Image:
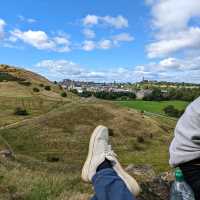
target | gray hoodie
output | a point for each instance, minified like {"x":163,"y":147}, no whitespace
{"x":186,"y":143}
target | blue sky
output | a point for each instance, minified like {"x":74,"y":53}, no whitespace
{"x":121,"y":40}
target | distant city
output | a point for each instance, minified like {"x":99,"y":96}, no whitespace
{"x":141,"y":89}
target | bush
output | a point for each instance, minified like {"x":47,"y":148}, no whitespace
{"x":52,"y":158}
{"x":63,"y":94}
{"x":172,"y":111}
{"x":41,"y":85}
{"x":75,"y":91}
{"x":20,"y":111}
{"x":85,"y":94}
{"x":35,"y":89}
{"x":111,"y":132}
{"x":47,"y":87}
{"x":25,"y":83}
{"x":140,"y":139}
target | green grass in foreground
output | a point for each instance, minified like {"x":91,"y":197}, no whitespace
{"x":153,"y":106}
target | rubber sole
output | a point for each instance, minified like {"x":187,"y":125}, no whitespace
{"x":130,"y":182}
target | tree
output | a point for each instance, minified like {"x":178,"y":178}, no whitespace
{"x":20,"y":111}
{"x":35,"y":89}
{"x":172,"y":111}
{"x":63,"y":94}
{"x":47,"y":87}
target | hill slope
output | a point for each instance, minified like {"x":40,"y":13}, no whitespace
{"x":17,"y":90}
{"x":51,"y":149}
{"x":50,"y":144}
{"x":24,"y":74}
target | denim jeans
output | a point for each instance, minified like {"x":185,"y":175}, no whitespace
{"x":109,"y":186}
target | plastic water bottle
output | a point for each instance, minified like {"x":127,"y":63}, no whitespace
{"x":180,"y":190}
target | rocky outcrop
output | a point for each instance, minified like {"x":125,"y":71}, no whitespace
{"x":154,"y":187}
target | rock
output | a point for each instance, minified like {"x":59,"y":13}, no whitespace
{"x":144,"y":172}
{"x":6,"y":153}
{"x":154,"y":187}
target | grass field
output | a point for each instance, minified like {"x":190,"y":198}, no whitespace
{"x":153,"y":106}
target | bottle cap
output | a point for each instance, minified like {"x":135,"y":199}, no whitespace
{"x":179,"y":175}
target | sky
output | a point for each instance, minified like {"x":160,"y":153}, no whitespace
{"x":103,"y":40}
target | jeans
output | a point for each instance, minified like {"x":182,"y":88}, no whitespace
{"x":191,"y":172}
{"x":109,"y":186}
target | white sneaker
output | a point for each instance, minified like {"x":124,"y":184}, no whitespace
{"x":99,"y":150}
{"x":96,"y":154}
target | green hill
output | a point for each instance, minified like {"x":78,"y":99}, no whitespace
{"x":50,"y":144}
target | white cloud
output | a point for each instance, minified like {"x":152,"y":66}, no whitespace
{"x":166,"y":70}
{"x":105,"y":44}
{"x":89,"y":33}
{"x":28,"y":20}
{"x":61,"y":40}
{"x":173,"y":14}
{"x":116,"y":22}
{"x":122,"y":37}
{"x":64,"y":67}
{"x":40,"y":40}
{"x":88,"y":45}
{"x":174,"y":31}
{"x":2,"y":25}
{"x":179,"y":41}
{"x":90,"y":20}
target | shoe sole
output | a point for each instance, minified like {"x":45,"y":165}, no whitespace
{"x":87,"y":163}
{"x":130,"y":182}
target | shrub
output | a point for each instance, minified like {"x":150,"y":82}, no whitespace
{"x":140,"y":139}
{"x":60,"y":87}
{"x":41,"y":85}
{"x":7,"y":77}
{"x":85,"y":94}
{"x":63,"y":94}
{"x":25,"y":83}
{"x":35,"y":89}
{"x":20,"y":111}
{"x":172,"y":111}
{"x":47,"y":87}
{"x":111,"y":132}
{"x":52,"y":158}
{"x":75,"y":91}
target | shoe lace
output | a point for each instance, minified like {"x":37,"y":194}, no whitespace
{"x":109,"y":152}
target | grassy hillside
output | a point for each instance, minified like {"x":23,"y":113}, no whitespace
{"x":153,"y":106}
{"x":50,"y":144}
{"x":63,"y":135}
{"x":17,"y":90}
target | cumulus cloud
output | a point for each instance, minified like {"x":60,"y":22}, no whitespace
{"x":173,"y":14}
{"x":90,"y":20}
{"x":28,"y":20}
{"x":40,"y":40}
{"x":89,"y":33}
{"x":88,"y":45}
{"x":166,"y":70}
{"x":174,"y":31}
{"x":122,"y":37}
{"x":64,"y":67}
{"x":2,"y":25}
{"x":178,"y":41}
{"x":105,"y":44}
{"x":117,"y":22}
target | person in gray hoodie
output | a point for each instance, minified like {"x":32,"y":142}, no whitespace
{"x":185,"y":147}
